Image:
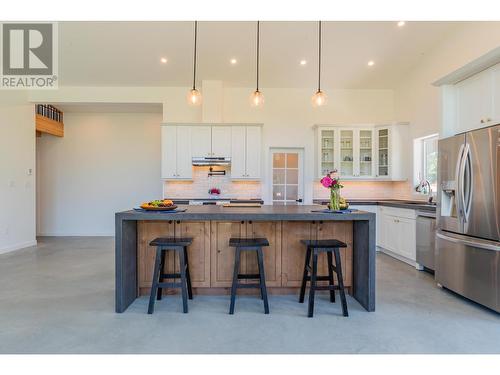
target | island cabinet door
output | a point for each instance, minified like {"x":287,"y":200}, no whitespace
{"x":148,"y":231}
{"x":272,"y":253}
{"x":342,"y":231}
{"x":293,"y":252}
{"x":198,"y":252}
{"x":222,"y":256}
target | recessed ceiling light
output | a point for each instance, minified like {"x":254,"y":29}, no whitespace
{"x":163,"y":60}
{"x":303,"y":62}
{"x":401,"y":23}
{"x":233,"y":61}
{"x":371,"y":63}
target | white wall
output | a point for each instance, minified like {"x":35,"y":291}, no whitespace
{"x":17,"y":156}
{"x":106,"y":162}
{"x":416,"y":99}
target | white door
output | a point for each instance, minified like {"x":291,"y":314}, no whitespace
{"x":183,"y":152}
{"x":474,"y":101}
{"x":221,"y":141}
{"x":238,"y":152}
{"x":496,"y":94}
{"x":253,"y":150}
{"x":287,"y":186}
{"x":168,"y":151}
{"x":201,"y":141}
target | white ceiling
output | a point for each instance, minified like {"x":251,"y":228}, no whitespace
{"x":128,"y":53}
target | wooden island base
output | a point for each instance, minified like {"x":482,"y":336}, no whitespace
{"x":211,"y":260}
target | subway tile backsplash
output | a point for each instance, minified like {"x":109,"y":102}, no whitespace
{"x":201,"y":183}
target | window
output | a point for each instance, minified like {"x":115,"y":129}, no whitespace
{"x":425,"y":161}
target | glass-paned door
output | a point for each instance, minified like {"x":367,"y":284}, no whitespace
{"x":286,"y":171}
{"x":383,"y":152}
{"x":346,"y":152}
{"x":327,"y":151}
{"x":365,"y":152}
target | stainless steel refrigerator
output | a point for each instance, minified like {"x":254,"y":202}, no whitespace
{"x":468,"y":215}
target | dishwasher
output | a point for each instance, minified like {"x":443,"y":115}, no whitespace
{"x":426,"y":235}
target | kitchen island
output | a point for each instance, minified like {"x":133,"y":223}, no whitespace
{"x":211,"y":259}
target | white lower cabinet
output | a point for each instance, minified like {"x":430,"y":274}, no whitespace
{"x":397,"y":233}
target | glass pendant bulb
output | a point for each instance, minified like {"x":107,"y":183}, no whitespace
{"x":319,"y":99}
{"x":257,"y":99}
{"x":194,"y":97}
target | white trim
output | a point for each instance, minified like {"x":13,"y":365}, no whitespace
{"x":75,"y":234}
{"x":18,"y":246}
{"x":398,"y":257}
{"x":484,"y":62}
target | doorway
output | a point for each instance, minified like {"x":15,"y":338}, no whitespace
{"x":287,"y":165}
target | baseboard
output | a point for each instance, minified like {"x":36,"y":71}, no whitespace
{"x":18,"y":246}
{"x":399,"y":257}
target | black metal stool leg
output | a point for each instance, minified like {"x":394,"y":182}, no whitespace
{"x":313,"y":284}
{"x":304,"y":276}
{"x":183,"y":280}
{"x":338,"y":266}
{"x":154,"y":286}
{"x":160,"y":277}
{"x":262,"y":276}
{"x":188,"y":275}
{"x":330,"y":276}
{"x":235,"y":279}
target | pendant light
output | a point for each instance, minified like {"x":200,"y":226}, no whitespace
{"x":319,"y":98}
{"x":194,"y":96}
{"x":257,"y":99}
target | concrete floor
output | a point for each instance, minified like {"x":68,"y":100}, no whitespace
{"x":58,"y":298}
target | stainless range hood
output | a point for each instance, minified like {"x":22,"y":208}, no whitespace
{"x":211,"y":160}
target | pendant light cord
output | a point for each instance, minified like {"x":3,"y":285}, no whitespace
{"x":258,"y":49}
{"x":194,"y":60}
{"x":319,"y":56}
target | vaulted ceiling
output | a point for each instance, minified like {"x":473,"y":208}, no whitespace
{"x":129,"y":53}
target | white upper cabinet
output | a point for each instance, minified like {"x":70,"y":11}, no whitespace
{"x":470,"y":97}
{"x":238,"y":157}
{"x":475,"y":101}
{"x":253,"y":151}
{"x":496,"y":94}
{"x":176,"y":152}
{"x":360,"y":153}
{"x":246,"y":149}
{"x":201,"y":141}
{"x":221,"y":141}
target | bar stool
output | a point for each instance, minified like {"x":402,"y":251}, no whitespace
{"x":314,"y":247}
{"x":249,"y":244}
{"x":162,"y":246}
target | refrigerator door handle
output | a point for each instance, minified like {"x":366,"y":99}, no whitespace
{"x":458,"y":181}
{"x":467,"y":173}
{"x":468,"y":241}
{"x":461,"y":176}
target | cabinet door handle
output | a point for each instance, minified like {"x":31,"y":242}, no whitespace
{"x":482,"y":121}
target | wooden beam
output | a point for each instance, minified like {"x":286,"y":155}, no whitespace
{"x":46,"y":125}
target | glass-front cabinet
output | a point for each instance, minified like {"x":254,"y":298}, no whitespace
{"x":327,"y":157}
{"x":383,"y":152}
{"x":361,"y":152}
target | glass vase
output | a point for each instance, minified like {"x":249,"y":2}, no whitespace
{"x":334,"y":199}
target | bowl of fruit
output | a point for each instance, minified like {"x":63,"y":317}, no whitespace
{"x":159,"y":205}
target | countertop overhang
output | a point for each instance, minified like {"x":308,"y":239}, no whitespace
{"x":262,"y":213}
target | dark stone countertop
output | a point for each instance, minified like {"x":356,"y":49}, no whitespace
{"x":262,"y":213}
{"x":413,"y":205}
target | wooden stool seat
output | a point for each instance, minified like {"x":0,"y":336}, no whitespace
{"x":331,"y":247}
{"x":249,"y":244}
{"x":164,"y":244}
